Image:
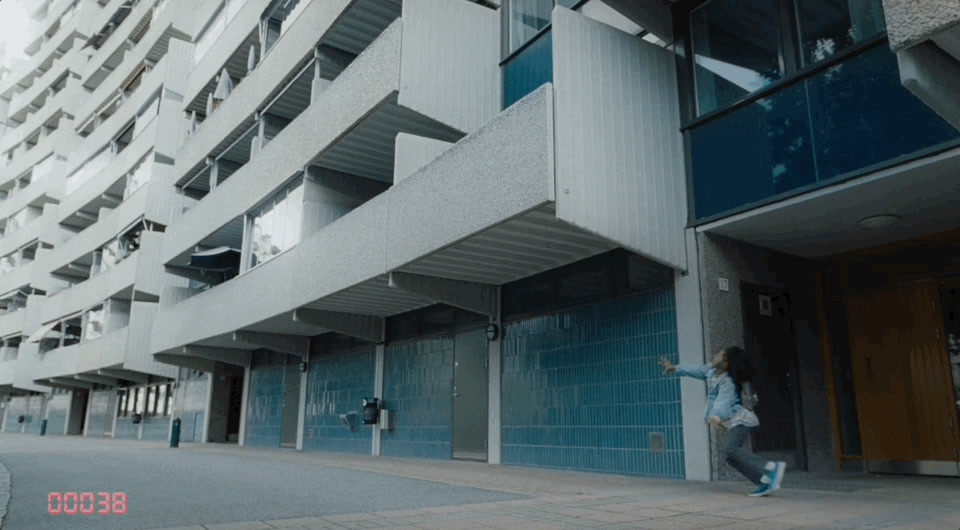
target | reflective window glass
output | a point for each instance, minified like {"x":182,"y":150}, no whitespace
{"x":95,"y":321}
{"x":527,"y":18}
{"x":830,"y":26}
{"x":736,"y":51}
{"x":141,"y":397}
{"x":162,"y":400}
{"x":152,"y":400}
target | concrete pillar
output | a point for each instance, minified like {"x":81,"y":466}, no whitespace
{"x":377,"y":393}
{"x":302,"y":410}
{"x":243,"y":405}
{"x":696,"y":436}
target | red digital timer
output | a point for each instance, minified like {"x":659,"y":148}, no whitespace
{"x":87,"y":503}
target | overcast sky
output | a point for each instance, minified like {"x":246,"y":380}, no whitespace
{"x":14,"y":25}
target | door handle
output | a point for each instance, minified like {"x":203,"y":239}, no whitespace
{"x":456,"y":395}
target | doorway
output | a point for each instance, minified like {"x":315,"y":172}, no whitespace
{"x":899,"y":345}
{"x":770,"y":343}
{"x":78,"y":411}
{"x":291,"y":402}
{"x":470,"y":390}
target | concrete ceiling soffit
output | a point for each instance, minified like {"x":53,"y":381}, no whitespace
{"x":126,"y":375}
{"x":366,"y":327}
{"x":182,"y":361}
{"x":479,"y":298}
{"x":99,"y":379}
{"x":71,"y":383}
{"x":292,"y":344}
{"x":233,"y":356}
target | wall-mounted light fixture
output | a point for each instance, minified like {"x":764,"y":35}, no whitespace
{"x":493,"y":331}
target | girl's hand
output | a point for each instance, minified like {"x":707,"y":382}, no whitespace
{"x":716,"y":421}
{"x":668,"y":367}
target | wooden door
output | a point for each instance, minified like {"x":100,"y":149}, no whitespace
{"x":901,"y":375}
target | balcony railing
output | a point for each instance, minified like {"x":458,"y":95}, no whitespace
{"x":840,"y":121}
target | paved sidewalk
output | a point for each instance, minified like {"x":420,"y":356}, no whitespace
{"x":4,"y":492}
{"x":585,"y":500}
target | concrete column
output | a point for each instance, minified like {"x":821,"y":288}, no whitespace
{"x":377,"y":393}
{"x":113,"y":412}
{"x":693,"y":395}
{"x":86,"y":419}
{"x":302,"y":410}
{"x":208,"y":408}
{"x":243,"y":405}
{"x":494,"y":443}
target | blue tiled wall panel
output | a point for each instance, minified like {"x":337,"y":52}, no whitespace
{"x":194,"y":405}
{"x":157,"y":429}
{"x":265,"y":406}
{"x":34,"y":414}
{"x":99,"y":414}
{"x":126,"y":429}
{"x":418,"y":387}
{"x":582,"y":389}
{"x":337,"y":385}
{"x":58,"y":407}
{"x":23,"y":406}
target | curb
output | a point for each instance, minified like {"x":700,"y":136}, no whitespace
{"x":5,"y":484}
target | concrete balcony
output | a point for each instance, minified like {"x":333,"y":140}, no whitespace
{"x":79,"y":26}
{"x":93,"y":104}
{"x":112,"y":52}
{"x":511,"y":199}
{"x":926,"y":37}
{"x":117,"y":282}
{"x":351,"y":126}
{"x":47,"y":189}
{"x":109,"y":224}
{"x":18,"y":278}
{"x":60,"y":142}
{"x":11,"y":242}
{"x":107,"y":351}
{"x":7,"y":372}
{"x":11,"y":323}
{"x":82,"y":206}
{"x":52,"y":111}
{"x":343,"y":24}
{"x":37,"y":95}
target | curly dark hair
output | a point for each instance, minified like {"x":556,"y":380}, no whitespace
{"x":738,"y":366}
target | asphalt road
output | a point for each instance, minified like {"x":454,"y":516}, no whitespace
{"x":179,"y":487}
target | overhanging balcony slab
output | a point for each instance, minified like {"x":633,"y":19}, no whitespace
{"x":60,"y":142}
{"x":112,"y":51}
{"x":11,"y":323}
{"x":104,"y":352}
{"x":37,"y":194}
{"x":318,"y":22}
{"x":117,"y":282}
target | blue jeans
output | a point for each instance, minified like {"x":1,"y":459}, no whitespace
{"x":747,"y":463}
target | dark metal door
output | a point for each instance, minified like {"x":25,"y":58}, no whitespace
{"x":470,"y":395}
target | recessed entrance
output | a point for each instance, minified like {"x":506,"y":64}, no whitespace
{"x":470,"y":395}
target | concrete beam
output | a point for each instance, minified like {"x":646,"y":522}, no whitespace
{"x":85,"y":216}
{"x":476,"y":297}
{"x":72,"y":383}
{"x":232,"y":356}
{"x":191,"y":363}
{"x":99,"y":379}
{"x":187,"y":272}
{"x":126,"y":375}
{"x":292,"y":344}
{"x":934,"y":77}
{"x":366,"y":327}
{"x":651,"y":15}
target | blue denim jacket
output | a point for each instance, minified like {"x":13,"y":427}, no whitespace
{"x":723,"y":400}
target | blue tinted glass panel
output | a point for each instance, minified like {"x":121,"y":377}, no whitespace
{"x":752,"y":153}
{"x":862,"y":115}
{"x":529,"y":69}
{"x":827,"y":28}
{"x":844,"y":119}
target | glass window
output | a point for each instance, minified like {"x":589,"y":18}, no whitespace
{"x":8,"y":263}
{"x":138,"y":177}
{"x":169,"y":409}
{"x":95,"y":321}
{"x":736,"y":51}
{"x":527,"y":18}
{"x":122,"y":404}
{"x":71,"y":331}
{"x":131,"y":400}
{"x":275,"y":227}
{"x":829,"y":27}
{"x":141,"y":394}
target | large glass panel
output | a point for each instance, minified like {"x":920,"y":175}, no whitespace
{"x":151,"y":400}
{"x":264,"y":247}
{"x":276,"y":226}
{"x":862,"y":115}
{"x":95,"y":321}
{"x":294,"y":215}
{"x":736,"y":51}
{"x":141,"y":397}
{"x":71,"y":331}
{"x":8,"y":263}
{"x":527,"y":18}
{"x":162,"y":400}
{"x":528,"y":70}
{"x":753,"y":153}
{"x":279,"y":241}
{"x":830,"y":26}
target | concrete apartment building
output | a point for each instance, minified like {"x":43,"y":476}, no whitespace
{"x":493,"y":216}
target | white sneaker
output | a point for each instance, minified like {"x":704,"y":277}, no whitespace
{"x":777,"y":475}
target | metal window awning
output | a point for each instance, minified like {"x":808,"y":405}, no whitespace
{"x":217,"y":259}
{"x":42,"y":332}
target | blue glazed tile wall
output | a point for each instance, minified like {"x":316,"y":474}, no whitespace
{"x":582,"y":389}
{"x":337,"y":385}
{"x":99,"y":414}
{"x":58,"y":406}
{"x":264,"y":406}
{"x":418,"y":387}
{"x":27,"y":406}
{"x":194,"y":397}
{"x":157,"y":429}
{"x":126,"y":429}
